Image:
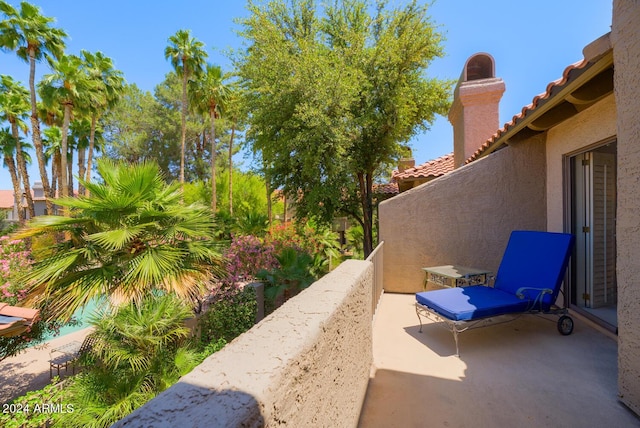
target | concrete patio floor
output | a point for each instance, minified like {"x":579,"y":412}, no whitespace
{"x":29,"y":370}
{"x":517,"y":374}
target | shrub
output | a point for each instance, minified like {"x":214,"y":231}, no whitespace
{"x":138,"y":353}
{"x":15,"y":260}
{"x":27,"y":411}
{"x":246,"y":256}
{"x":228,"y":317}
{"x":287,"y":280}
{"x":316,"y":240}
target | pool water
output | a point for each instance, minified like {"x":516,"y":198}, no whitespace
{"x":82,"y":315}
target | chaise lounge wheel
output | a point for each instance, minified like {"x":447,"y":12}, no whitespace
{"x":565,"y":325}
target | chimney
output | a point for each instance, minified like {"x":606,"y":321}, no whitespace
{"x":406,"y":161}
{"x":38,"y":190}
{"x":474,"y":112}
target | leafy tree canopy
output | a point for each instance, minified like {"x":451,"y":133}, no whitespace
{"x":335,"y":93}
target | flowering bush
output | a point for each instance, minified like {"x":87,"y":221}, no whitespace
{"x":286,"y":236}
{"x":287,"y":259}
{"x":15,"y":259}
{"x":246,"y":256}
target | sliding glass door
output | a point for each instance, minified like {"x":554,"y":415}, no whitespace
{"x":593,"y":222}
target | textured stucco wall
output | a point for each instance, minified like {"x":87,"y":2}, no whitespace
{"x":593,"y":125}
{"x":464,"y":217}
{"x":307,"y":364}
{"x":625,"y":38}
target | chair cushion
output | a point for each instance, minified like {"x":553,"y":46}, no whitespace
{"x":535,"y":259}
{"x":469,"y":303}
{"x":4,"y":319}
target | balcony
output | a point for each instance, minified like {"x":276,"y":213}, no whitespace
{"x":319,"y":360}
{"x":517,"y":374}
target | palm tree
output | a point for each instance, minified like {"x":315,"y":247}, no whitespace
{"x":208,"y":94}
{"x":234,"y":110}
{"x":68,"y":86}
{"x":139,"y":354}
{"x":131,"y":236}
{"x":187,"y":57}
{"x":80,"y":134}
{"x":52,"y":141}
{"x":109,"y":88}
{"x":14,"y":107}
{"x":7,"y":149}
{"x":30,"y":34}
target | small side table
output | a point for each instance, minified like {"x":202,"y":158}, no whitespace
{"x":454,"y":276}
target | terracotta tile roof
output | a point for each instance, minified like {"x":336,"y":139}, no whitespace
{"x":386,"y":189}
{"x":552,"y":88}
{"x":433,"y":168}
{"x":6,"y":199}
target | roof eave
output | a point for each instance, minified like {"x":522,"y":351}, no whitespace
{"x":575,"y":76}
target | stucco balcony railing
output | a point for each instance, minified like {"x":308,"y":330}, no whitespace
{"x":305,"y":365}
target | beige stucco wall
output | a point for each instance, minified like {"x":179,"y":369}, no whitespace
{"x":464,"y":217}
{"x":593,"y":125}
{"x":625,"y":38}
{"x":307,"y":364}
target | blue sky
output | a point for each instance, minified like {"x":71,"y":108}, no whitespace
{"x":531,"y":42}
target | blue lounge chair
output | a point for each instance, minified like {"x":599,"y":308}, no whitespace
{"x":528,"y":281}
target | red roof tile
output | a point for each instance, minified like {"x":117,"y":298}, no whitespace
{"x":386,"y":189}
{"x":537,"y":100}
{"x":433,"y":168}
{"x":6,"y":199}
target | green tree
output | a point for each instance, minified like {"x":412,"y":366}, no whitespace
{"x":131,"y":236}
{"x":208,"y":93}
{"x":166,"y":118}
{"x":8,"y":149}
{"x":80,"y":133}
{"x":70,"y":87}
{"x":14,"y":107}
{"x":335,"y":95}
{"x":187,"y":57}
{"x":52,"y":142}
{"x":235,"y":112}
{"x":137,"y":354}
{"x":108,"y":88}
{"x":129,"y":128}
{"x":147,"y":126}
{"x":31,"y":36}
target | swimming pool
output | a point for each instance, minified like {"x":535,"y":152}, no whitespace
{"x":82,"y":315}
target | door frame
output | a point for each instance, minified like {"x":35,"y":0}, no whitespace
{"x":568,"y":219}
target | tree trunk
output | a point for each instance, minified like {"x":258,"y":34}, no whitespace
{"x":58,"y":177}
{"x":269,"y":213}
{"x":54,"y":171}
{"x":365,"y":184}
{"x":22,"y":167}
{"x":92,"y":139}
{"x":183,"y":136}
{"x":233,"y":132}
{"x":64,"y":151}
{"x":81,"y":169}
{"x":214,"y":195}
{"x":285,"y":208}
{"x":70,"y":173}
{"x":17,"y":197}
{"x":35,"y":132}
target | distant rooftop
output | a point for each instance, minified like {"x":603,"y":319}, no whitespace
{"x":431,"y":169}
